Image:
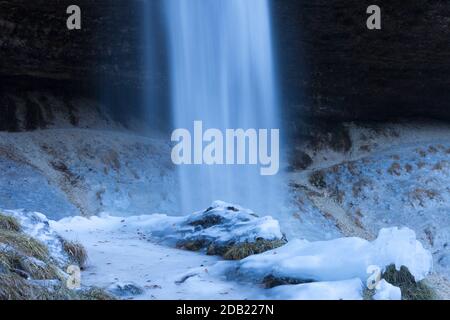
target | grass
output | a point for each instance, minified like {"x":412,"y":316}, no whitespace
{"x":25,"y":244}
{"x":77,"y":253}
{"x":23,"y":258}
{"x":96,"y":294}
{"x":193,"y":244}
{"x":243,"y":250}
{"x":8,"y":223}
{"x":14,"y":287}
{"x":207,"y":221}
{"x":12,"y":261}
{"x":231,"y":251}
{"x":411,"y":290}
{"x":271,"y":281}
{"x":23,"y":255}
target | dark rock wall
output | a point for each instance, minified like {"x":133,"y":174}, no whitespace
{"x":331,"y":67}
{"x":35,"y":41}
{"x":103,"y":61}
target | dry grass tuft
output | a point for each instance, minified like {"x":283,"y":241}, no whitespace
{"x":411,"y":290}
{"x":27,"y":272}
{"x":96,"y":294}
{"x":243,"y":250}
{"x":25,"y":244}
{"x":8,"y":223}
{"x":14,"y":287}
{"x":11,"y":261}
{"x":77,"y":253}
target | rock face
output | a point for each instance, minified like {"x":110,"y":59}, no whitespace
{"x":331,"y":65}
{"x":102,"y":62}
{"x":36,"y":42}
{"x":334,"y":67}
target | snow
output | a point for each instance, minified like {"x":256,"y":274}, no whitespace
{"x":122,"y":251}
{"x":405,"y":184}
{"x":337,"y":290}
{"x":222,"y":223}
{"x":237,"y":224}
{"x":386,"y":291}
{"x":340,"y":259}
{"x":396,"y":178}
{"x":120,"y":255}
{"x":117,"y":258}
{"x":36,"y":225}
{"x":396,"y":174}
{"x":67,"y":172}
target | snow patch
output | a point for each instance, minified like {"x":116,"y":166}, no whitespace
{"x":339,"y":259}
{"x":123,"y":250}
{"x":221,"y":224}
{"x":386,"y":291}
{"x":37,"y":226}
{"x":337,"y":290}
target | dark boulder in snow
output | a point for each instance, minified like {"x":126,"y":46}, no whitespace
{"x":230,"y":231}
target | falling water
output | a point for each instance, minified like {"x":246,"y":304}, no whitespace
{"x":222,"y":73}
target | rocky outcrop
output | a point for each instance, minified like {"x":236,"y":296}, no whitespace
{"x":334,"y":67}
{"x":103,"y":62}
{"x":330,"y":66}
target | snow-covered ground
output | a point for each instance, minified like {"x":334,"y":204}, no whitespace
{"x":66,"y":172}
{"x":124,"y":254}
{"x":394,"y":176}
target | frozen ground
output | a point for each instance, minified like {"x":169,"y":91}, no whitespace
{"x":123,"y":254}
{"x":120,"y":258}
{"x":394,"y":175}
{"x":65,"y":172}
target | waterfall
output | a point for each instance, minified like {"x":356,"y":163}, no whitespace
{"x":222,"y":73}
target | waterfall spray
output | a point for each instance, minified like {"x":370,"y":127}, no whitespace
{"x":222,"y":74}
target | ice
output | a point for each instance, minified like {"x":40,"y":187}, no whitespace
{"x":220,"y":224}
{"x":338,"y":290}
{"x":36,"y":225}
{"x":340,"y":259}
{"x":120,"y":252}
{"x":137,"y":250}
{"x":386,"y":291}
